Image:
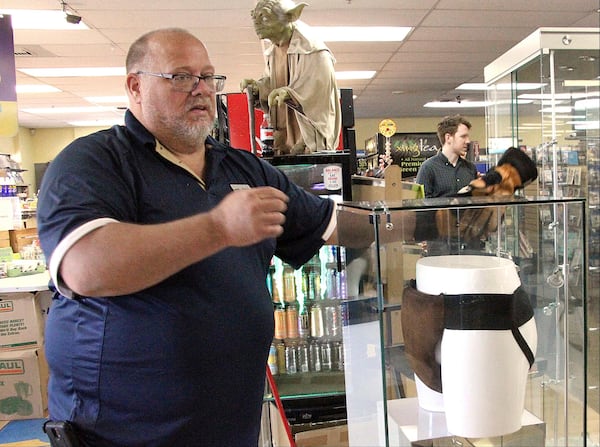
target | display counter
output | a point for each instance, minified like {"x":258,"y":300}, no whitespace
{"x":515,"y":326}
{"x":25,"y":283}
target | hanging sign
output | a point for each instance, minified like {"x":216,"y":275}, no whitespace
{"x":8,"y":79}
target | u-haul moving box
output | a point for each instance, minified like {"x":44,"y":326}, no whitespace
{"x":23,"y":384}
{"x":21,"y":323}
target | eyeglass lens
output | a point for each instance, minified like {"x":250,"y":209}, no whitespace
{"x":187,"y":83}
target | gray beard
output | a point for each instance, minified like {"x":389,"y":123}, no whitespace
{"x":190,"y":136}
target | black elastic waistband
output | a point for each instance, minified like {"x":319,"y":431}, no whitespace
{"x":487,"y":311}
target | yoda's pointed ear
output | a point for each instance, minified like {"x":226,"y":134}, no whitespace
{"x":295,"y":13}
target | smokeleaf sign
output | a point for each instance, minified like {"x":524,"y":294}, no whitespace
{"x":410,"y":150}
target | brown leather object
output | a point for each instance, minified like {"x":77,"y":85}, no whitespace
{"x":477,"y":223}
{"x":472,"y":223}
{"x":422,"y":320}
{"x":509,"y":180}
{"x":514,"y":170}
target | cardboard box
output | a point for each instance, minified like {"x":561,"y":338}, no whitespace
{"x":323,"y":437}
{"x":23,"y":384}
{"x":30,"y":222}
{"x":333,"y":436}
{"x":43,"y":301}
{"x":21,"y":238}
{"x":4,"y":239}
{"x":21,"y":323}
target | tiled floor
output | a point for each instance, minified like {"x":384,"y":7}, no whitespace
{"x":23,"y":433}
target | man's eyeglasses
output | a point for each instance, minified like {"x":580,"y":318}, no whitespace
{"x":183,"y":82}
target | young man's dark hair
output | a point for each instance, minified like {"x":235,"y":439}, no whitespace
{"x":450,"y":125}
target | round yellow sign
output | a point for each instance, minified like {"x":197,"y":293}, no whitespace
{"x":387,"y":128}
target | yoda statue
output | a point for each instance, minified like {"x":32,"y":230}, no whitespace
{"x":298,"y":89}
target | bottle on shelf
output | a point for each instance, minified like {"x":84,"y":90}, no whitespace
{"x":304,"y":323}
{"x":314,"y":356}
{"x":316,"y":320}
{"x":280,"y":321}
{"x":272,"y":359}
{"x":266,"y":136}
{"x":280,"y":349}
{"x":326,"y":356}
{"x":271,"y":279}
{"x":291,"y":320}
{"x":338,"y":356}
{"x":291,"y":357}
{"x":289,"y":284}
{"x":303,"y":357}
{"x":332,"y":280}
{"x":275,"y":295}
{"x":332,"y":321}
{"x":311,"y":279}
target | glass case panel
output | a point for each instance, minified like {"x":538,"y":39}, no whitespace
{"x":463,"y":322}
{"x":552,"y":79}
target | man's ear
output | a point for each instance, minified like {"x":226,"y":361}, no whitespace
{"x":295,"y":13}
{"x":132,"y":85}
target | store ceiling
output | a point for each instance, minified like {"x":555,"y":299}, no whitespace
{"x":452,"y":42}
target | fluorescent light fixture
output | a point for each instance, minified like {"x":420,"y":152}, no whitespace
{"x":519,"y":101}
{"x":362,"y":33}
{"x":560,"y":109}
{"x":73,"y":72}
{"x":96,"y":123}
{"x":346,"y":75}
{"x":498,"y":145}
{"x":107,"y":99}
{"x":456,"y":105}
{"x":60,"y":110}
{"x":480,"y":86}
{"x":41,"y":19}
{"x":473,"y":86}
{"x":588,"y":125}
{"x":549,"y":96}
{"x":36,"y":88}
{"x":528,"y":128}
{"x":536,"y":125}
{"x":582,"y":83}
{"x":585,"y":104}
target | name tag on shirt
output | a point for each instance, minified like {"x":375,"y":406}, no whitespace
{"x":236,"y":186}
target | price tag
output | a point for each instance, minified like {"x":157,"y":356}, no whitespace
{"x":332,"y":177}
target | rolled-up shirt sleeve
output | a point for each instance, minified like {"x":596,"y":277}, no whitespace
{"x":64,"y":246}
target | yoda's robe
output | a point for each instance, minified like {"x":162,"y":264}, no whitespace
{"x":304,"y":68}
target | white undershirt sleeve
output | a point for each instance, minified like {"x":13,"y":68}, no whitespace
{"x":332,"y":224}
{"x":65,"y":245}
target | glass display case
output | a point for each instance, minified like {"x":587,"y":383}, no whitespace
{"x":544,"y":96}
{"x":523,"y":383}
{"x":472,"y":336}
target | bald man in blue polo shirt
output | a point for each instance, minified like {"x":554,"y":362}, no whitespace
{"x":159,"y":240}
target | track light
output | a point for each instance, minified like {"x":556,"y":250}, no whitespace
{"x":72,"y":18}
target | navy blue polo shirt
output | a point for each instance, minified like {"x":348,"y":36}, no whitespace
{"x":440,"y":179}
{"x":182,"y":362}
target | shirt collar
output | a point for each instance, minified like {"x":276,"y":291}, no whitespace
{"x":215,"y":150}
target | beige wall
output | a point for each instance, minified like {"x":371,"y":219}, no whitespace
{"x":366,"y":128}
{"x":32,"y":146}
